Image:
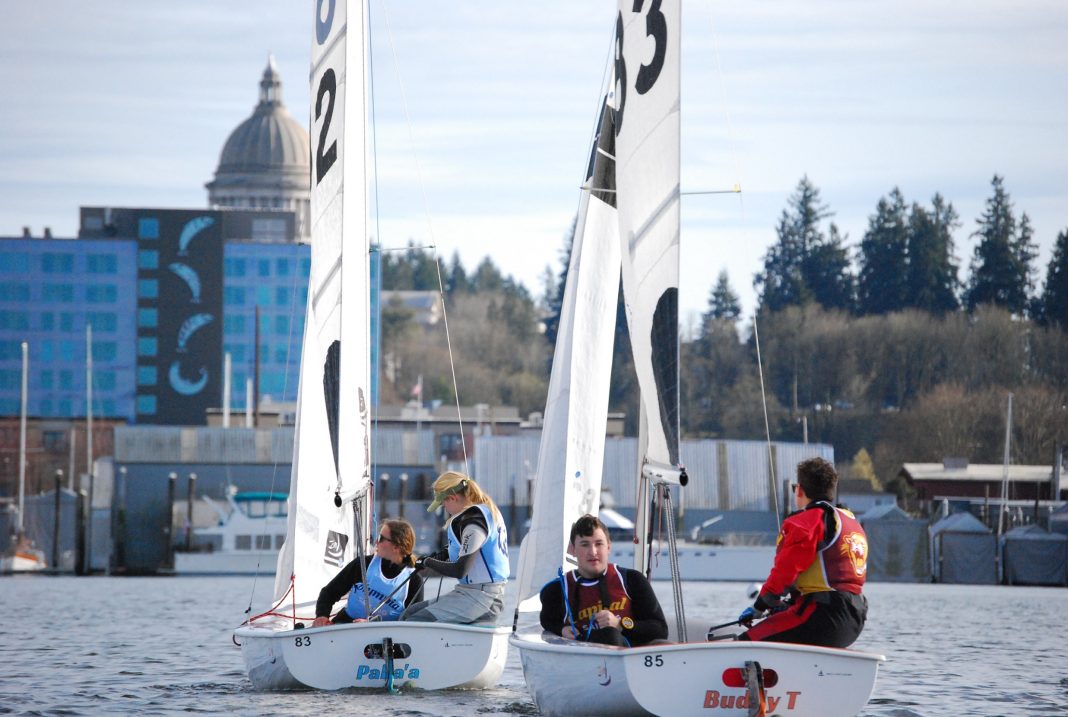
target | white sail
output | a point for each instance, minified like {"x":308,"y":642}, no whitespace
{"x":571,"y":454}
{"x":647,"y":180}
{"x":331,"y":443}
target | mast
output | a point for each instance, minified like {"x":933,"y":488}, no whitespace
{"x":22,"y":433}
{"x":1005,"y":469}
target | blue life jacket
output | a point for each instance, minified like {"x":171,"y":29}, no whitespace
{"x":492,"y":564}
{"x":378,"y":587}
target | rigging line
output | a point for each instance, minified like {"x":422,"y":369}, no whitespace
{"x":430,"y":227}
{"x":375,"y":249}
{"x":732,"y":143}
{"x":452,"y":362}
{"x":408,"y":126}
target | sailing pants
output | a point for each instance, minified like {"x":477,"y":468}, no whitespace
{"x":827,"y":619}
{"x":465,"y":604}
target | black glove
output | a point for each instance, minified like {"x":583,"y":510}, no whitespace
{"x":420,"y":562}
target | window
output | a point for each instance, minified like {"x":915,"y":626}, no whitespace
{"x":147,"y":318}
{"x":101,"y":264}
{"x":66,"y":350}
{"x":52,"y":263}
{"x":66,"y":380}
{"x":281,"y":324}
{"x":265,"y":267}
{"x":146,"y":405}
{"x":11,"y":350}
{"x":279,"y":541}
{"x":17,"y":262}
{"x":234,"y":324}
{"x":53,"y":440}
{"x":281,"y":266}
{"x":148,"y":259}
{"x":47,"y":379}
{"x":14,"y":292}
{"x":148,"y":288}
{"x":281,"y":296}
{"x":105,"y":351}
{"x":102,"y":320}
{"x":263,"y":542}
{"x":263,"y":295}
{"x":148,"y":228}
{"x":101,"y":294}
{"x":14,"y":320}
{"x":104,"y":380}
{"x":234,"y":267}
{"x":242,"y":542}
{"x":234,"y":296}
{"x":58,"y":292}
{"x":147,"y":346}
{"x":66,"y":408}
{"x":146,"y":376}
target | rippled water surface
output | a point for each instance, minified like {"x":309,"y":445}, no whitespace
{"x":161,"y":646}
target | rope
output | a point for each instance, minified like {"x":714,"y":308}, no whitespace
{"x":673,"y":557}
{"x":452,"y":362}
{"x":767,"y":424}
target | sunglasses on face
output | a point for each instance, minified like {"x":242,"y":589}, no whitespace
{"x":382,"y":538}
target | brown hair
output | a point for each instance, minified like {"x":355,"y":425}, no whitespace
{"x":402,"y":534}
{"x":586,"y":526}
{"x":817,"y":478}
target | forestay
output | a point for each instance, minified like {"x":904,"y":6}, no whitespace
{"x":332,"y":398}
{"x":570,"y":457}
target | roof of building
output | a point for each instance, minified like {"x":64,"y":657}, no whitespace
{"x":975,"y":472}
{"x":270,"y":141}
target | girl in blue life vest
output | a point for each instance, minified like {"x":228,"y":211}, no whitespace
{"x":477,"y":556}
{"x":390,"y":567}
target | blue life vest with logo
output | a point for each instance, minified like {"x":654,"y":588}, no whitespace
{"x":379,"y":586}
{"x":491,"y":566}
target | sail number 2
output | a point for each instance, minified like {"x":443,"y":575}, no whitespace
{"x":656,"y":28}
{"x":324,"y":157}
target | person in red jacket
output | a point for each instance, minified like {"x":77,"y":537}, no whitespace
{"x":821,"y":561}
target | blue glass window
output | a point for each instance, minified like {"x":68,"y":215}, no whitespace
{"x":265,"y":267}
{"x":66,"y":321}
{"x":14,"y":320}
{"x":66,"y":350}
{"x":52,"y":263}
{"x":101,"y":294}
{"x":281,"y":266}
{"x":146,"y":405}
{"x":66,"y":379}
{"x":263,"y":295}
{"x":47,"y":351}
{"x":148,"y":228}
{"x":147,"y":346}
{"x":281,"y":324}
{"x":47,"y":379}
{"x":234,"y":324}
{"x":281,"y":296}
{"x":17,"y":262}
{"x":148,"y":288}
{"x":46,"y":407}
{"x":101,"y":264}
{"x":148,"y":318}
{"x":58,"y":292}
{"x":105,"y":351}
{"x":234,"y":267}
{"x":146,"y":376}
{"x":102,"y":321}
{"x":104,"y":380}
{"x":14,"y":292}
{"x":234,"y":296}
{"x":148,"y":259}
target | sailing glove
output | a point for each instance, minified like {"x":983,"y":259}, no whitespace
{"x":748,"y":615}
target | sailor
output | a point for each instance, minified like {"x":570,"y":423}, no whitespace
{"x":600,"y":601}
{"x":477,"y":556}
{"x":392,"y":582}
{"x":822,"y":560}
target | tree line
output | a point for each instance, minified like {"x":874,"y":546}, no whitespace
{"x":887,"y":354}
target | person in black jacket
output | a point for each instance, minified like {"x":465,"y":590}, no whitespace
{"x":391,"y":567}
{"x":600,"y":601}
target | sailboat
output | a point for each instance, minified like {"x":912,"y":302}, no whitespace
{"x":23,"y":556}
{"x":330,"y":501}
{"x":628,"y":227}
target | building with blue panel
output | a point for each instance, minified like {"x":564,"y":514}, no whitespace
{"x":50,"y":291}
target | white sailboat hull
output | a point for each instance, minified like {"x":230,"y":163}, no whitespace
{"x":23,"y":562}
{"x":566,"y":678}
{"x":437,"y":656}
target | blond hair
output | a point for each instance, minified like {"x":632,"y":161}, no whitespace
{"x":473,"y":493}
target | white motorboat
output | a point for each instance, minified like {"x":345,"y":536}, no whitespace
{"x":628,"y":226}
{"x":329,"y":496}
{"x":245,"y":541}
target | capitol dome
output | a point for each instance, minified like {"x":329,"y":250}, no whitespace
{"x":265,"y":161}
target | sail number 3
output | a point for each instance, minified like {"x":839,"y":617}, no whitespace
{"x":656,"y":28}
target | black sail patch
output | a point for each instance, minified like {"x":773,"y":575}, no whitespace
{"x":332,"y":392}
{"x":334,"y":553}
{"x":664,"y":338}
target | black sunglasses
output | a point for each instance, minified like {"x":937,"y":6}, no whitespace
{"x":380,"y":538}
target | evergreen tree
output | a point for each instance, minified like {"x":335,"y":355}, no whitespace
{"x":487,"y":276}
{"x":1001,"y":266}
{"x":882,"y":283}
{"x":1055,"y":294}
{"x":805,"y":265}
{"x":457,"y":280}
{"x":723,"y":303}
{"x":932,"y":281}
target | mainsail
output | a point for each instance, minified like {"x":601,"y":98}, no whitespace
{"x":647,"y":182}
{"x":571,"y":454}
{"x":331,"y":455}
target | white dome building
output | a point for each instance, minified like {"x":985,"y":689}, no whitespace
{"x":265,"y":163}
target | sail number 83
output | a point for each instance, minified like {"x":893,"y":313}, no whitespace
{"x":302,"y":641}
{"x":654,"y":660}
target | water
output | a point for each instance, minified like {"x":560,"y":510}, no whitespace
{"x":161,"y":646}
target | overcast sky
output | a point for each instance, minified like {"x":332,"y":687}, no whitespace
{"x":485,"y":109}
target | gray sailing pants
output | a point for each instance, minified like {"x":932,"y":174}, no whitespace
{"x":465,"y":604}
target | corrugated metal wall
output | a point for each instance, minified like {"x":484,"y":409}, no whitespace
{"x":724,"y":475}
